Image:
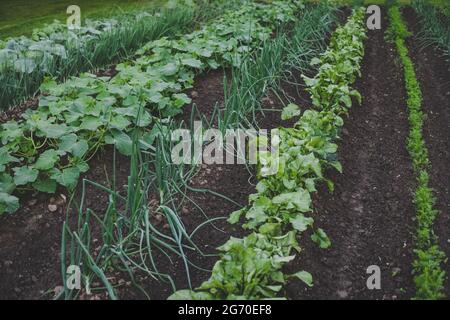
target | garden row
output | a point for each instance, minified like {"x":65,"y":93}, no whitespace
{"x":428,"y":274}
{"x":144,"y":247}
{"x":58,"y":51}
{"x":251,"y":267}
{"x":52,"y":145}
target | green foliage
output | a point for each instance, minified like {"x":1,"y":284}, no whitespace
{"x":435,"y":26}
{"x":290,"y":51}
{"x":339,"y":66}
{"x":132,"y":239}
{"x":79,"y":116}
{"x":290,"y":111}
{"x":250,"y":268}
{"x":442,"y":5}
{"x":56,"y":51}
{"x":428,"y":274}
{"x":321,"y":238}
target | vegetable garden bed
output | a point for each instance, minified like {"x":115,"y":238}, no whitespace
{"x":86,"y":177}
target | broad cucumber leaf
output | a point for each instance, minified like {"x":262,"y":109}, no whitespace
{"x":6,"y":183}
{"x":66,"y":142}
{"x":10,"y":132}
{"x":80,"y":148}
{"x":169,"y":69}
{"x":8,"y":203}
{"x":47,"y":160}
{"x":5,"y":156}
{"x":24,"y":175}
{"x":120,"y":122}
{"x":90,"y":123}
{"x":67,"y":178}
{"x":70,"y":144}
{"x":194,"y":63}
{"x":121,"y":140}
{"x":25,"y":65}
{"x":53,"y":131}
{"x":45,"y":185}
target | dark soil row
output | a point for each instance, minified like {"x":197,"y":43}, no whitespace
{"x":433,"y":72}
{"x":369,"y":216}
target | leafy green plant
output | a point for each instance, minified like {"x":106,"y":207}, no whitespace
{"x":428,"y":274}
{"x":78,"y":117}
{"x":329,"y":88}
{"x":59,"y":52}
{"x":250,"y":268}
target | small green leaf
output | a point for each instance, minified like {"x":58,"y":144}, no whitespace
{"x":301,"y":223}
{"x":315,"y":61}
{"x":270,"y":228}
{"x":321,"y":238}
{"x":305,"y":276}
{"x":235,"y":216}
{"x":290,"y":111}
{"x":337,"y":165}
{"x":300,"y":200}
{"x":190,"y":295}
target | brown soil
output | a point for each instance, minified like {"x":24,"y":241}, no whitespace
{"x":433,"y":73}
{"x":29,"y":249}
{"x":369,"y":216}
{"x":16,"y":112}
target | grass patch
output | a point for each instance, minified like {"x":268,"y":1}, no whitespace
{"x":22,"y":16}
